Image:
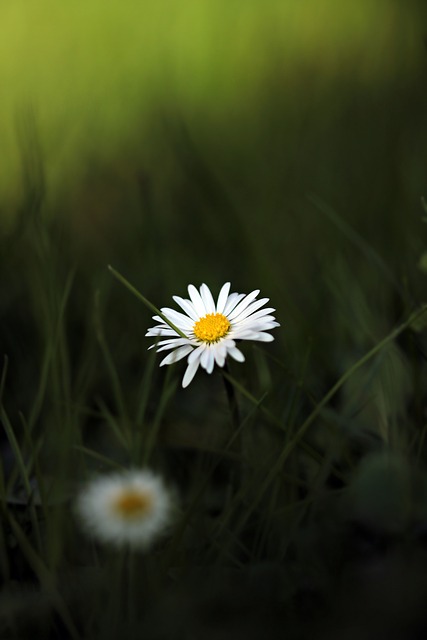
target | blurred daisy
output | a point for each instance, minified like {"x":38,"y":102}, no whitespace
{"x":210,"y":329}
{"x":132,"y":507}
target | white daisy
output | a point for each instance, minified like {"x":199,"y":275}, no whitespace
{"x":210,"y":329}
{"x":131,"y":507}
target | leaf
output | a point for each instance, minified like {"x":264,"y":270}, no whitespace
{"x":422,"y":262}
{"x":419,"y":322}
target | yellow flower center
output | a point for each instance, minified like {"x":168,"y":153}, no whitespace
{"x":132,"y":504}
{"x":211,"y":327}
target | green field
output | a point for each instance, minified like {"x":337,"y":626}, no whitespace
{"x":277,"y":145}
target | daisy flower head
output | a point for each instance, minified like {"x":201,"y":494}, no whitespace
{"x":208,"y":331}
{"x":131,"y":507}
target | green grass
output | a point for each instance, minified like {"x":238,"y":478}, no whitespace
{"x":253,"y":495}
{"x":300,"y":482}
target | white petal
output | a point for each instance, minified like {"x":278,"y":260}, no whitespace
{"x":225,"y":345}
{"x":264,"y":326}
{"x":170,"y":343}
{"x":187,"y":306}
{"x":222,"y":298}
{"x":220,"y":354}
{"x":260,"y":314}
{"x":176,"y":341}
{"x":159,"y":327}
{"x":264,"y":337}
{"x":250,"y":309}
{"x":233,"y":299}
{"x":196,"y":299}
{"x":179,"y":319}
{"x":159,"y":331}
{"x":207,"y":360}
{"x":190,"y":373}
{"x":176,"y":355}
{"x":207,"y":298}
{"x":236,"y":354}
{"x":197,"y":353}
{"x":243,"y":304}
{"x":255,"y":335}
{"x":258,"y":325}
{"x":175,"y":345}
{"x":248,"y":323}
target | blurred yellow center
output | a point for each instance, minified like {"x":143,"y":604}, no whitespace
{"x":132,"y":504}
{"x":211,"y":327}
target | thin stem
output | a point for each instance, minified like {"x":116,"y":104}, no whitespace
{"x":395,"y":333}
{"x":231,"y":398}
{"x":235,"y":419}
{"x":143,"y":299}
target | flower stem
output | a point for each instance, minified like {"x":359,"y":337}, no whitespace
{"x":143,"y":299}
{"x":236,"y":475}
{"x":289,"y":447}
{"x":231,"y":398}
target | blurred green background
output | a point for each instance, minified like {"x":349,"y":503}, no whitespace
{"x":279,"y":145}
{"x":180,"y":143}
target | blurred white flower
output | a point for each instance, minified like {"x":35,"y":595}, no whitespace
{"x":211,"y":329}
{"x":131,"y":507}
